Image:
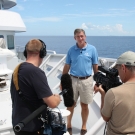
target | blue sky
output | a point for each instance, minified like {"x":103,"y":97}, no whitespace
{"x":61,"y":17}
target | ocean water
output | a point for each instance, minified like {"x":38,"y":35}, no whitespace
{"x":107,"y":46}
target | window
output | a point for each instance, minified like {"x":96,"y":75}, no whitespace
{"x":1,"y":36}
{"x":10,"y":41}
{"x":2,"y":42}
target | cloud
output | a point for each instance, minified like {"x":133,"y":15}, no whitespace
{"x":119,"y":27}
{"x":117,"y":9}
{"x":116,"y":28}
{"x":19,"y":7}
{"x":46,"y":19}
{"x":32,"y":0}
{"x":90,"y":14}
{"x":84,"y":26}
{"x":69,"y":4}
{"x":104,"y":13}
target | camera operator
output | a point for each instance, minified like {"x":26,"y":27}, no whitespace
{"x":118,"y":104}
{"x":34,"y":86}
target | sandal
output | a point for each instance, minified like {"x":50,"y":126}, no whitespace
{"x":69,"y":130}
{"x":83,"y":131}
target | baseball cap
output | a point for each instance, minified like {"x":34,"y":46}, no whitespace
{"x":127,"y":58}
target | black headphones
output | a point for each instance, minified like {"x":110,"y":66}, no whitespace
{"x":42,"y":52}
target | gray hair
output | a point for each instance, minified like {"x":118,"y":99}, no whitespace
{"x":130,"y":68}
{"x":78,"y":31}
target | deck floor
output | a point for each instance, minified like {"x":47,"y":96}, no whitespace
{"x":93,"y":117}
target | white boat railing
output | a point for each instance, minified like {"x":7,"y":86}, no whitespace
{"x":55,"y":71}
{"x":51,"y":52}
{"x":20,"y":49}
{"x":56,"y":66}
{"x":107,"y":61}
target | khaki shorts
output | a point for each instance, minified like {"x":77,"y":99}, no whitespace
{"x":83,"y":88}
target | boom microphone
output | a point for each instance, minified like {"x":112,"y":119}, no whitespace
{"x":34,"y":114}
{"x":68,"y":96}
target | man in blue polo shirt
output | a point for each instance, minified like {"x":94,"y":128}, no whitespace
{"x":81,"y":59}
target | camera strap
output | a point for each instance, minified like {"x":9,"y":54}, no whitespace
{"x":15,"y":81}
{"x":105,"y":129}
{"x":26,"y":101}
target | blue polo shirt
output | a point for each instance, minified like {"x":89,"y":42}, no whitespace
{"x":81,"y":60}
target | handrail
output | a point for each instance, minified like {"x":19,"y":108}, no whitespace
{"x":55,"y":66}
{"x":21,"y":48}
{"x":42,"y":64}
{"x":50,"y":51}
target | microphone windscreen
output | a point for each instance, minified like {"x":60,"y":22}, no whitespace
{"x":66,"y":83}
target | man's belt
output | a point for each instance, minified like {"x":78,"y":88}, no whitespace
{"x":81,"y":78}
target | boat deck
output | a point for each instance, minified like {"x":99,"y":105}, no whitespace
{"x":53,"y":66}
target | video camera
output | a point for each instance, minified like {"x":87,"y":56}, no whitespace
{"x":109,"y":80}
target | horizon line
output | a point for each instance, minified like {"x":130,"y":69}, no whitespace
{"x":86,"y":35}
